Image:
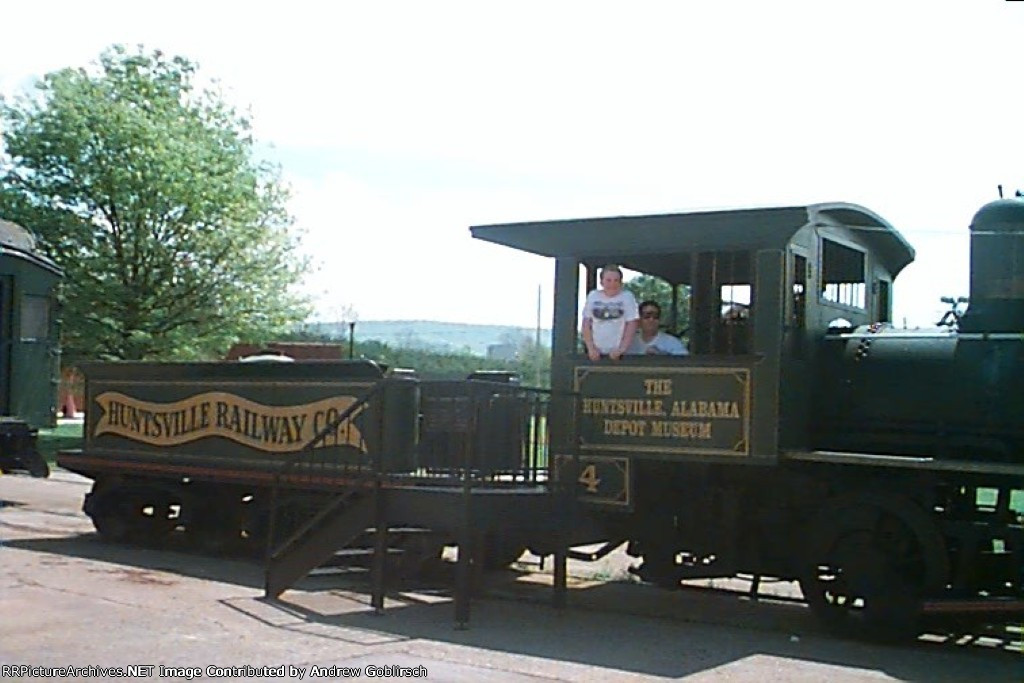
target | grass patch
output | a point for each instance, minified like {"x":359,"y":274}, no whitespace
{"x":60,"y":438}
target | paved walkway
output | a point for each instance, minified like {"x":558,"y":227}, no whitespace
{"x":69,"y":599}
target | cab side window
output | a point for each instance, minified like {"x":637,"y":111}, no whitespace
{"x":723,"y":298}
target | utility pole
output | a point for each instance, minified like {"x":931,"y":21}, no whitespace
{"x":536,"y":349}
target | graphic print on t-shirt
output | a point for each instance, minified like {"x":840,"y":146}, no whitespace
{"x":608,"y":310}
{"x":609,"y":316}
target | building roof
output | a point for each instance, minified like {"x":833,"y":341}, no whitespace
{"x":15,"y":236}
{"x":18,"y":242}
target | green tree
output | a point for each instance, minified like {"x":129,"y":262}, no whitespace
{"x":646,"y":287}
{"x":174,"y":239}
{"x":532,"y":363}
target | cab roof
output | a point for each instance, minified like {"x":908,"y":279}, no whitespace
{"x":654,"y":243}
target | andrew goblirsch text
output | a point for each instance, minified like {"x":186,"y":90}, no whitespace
{"x":213,"y":671}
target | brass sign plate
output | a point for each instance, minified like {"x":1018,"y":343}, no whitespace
{"x":691,"y":410}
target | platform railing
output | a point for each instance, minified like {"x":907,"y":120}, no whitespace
{"x":483,"y":432}
{"x":472,"y":437}
{"x":487,"y":432}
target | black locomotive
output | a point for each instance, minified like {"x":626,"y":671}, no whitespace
{"x":806,"y":439}
{"x":29,"y":355}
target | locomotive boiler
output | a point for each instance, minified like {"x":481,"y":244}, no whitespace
{"x":950,"y":393}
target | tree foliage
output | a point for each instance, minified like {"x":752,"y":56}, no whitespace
{"x":532,"y":363}
{"x":175,"y":241}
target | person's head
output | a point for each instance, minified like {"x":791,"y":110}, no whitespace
{"x":650,"y":317}
{"x":611,"y":280}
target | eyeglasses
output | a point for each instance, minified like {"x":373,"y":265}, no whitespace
{"x":650,"y":314}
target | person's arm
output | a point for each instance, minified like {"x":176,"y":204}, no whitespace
{"x":636,"y":347}
{"x":588,"y":329}
{"x":588,"y":339}
{"x":627,"y":338}
{"x":676,"y":347}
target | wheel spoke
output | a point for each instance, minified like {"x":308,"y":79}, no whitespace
{"x":869,"y":584}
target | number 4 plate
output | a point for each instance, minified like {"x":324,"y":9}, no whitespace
{"x":600,"y":479}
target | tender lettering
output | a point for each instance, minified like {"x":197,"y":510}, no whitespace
{"x":266,"y":427}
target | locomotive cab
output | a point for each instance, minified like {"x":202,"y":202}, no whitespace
{"x":759,"y":289}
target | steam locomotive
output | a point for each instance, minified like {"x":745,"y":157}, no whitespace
{"x":806,"y":440}
{"x":29,"y":354}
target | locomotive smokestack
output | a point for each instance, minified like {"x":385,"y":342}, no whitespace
{"x":997,"y":268}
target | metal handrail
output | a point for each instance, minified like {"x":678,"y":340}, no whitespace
{"x":308,"y":449}
{"x":358,"y":404}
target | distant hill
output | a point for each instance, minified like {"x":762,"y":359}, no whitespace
{"x":432,"y":336}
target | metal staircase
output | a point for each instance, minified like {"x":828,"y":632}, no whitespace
{"x":480,"y":470}
{"x":344,"y":520}
{"x":352,"y":484}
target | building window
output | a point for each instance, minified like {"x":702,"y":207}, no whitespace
{"x":35,"y":318}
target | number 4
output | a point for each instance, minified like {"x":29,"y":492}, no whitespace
{"x":588,"y":477}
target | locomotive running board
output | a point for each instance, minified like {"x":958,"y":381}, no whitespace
{"x":975,"y":606}
{"x":903,"y":461}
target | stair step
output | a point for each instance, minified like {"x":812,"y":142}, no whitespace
{"x":315,"y":544}
{"x":363,"y":552}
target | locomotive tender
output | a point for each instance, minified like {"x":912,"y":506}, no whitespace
{"x":806,"y":439}
{"x":29,"y":355}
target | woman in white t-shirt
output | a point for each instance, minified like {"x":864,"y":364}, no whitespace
{"x":609,"y":317}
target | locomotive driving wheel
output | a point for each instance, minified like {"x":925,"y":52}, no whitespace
{"x":871,"y":577}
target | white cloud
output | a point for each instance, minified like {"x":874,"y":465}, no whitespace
{"x":410,"y":121}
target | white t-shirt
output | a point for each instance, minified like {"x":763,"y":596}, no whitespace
{"x":662,"y":344}
{"x":608,"y":316}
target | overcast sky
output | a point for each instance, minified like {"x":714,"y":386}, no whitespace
{"x":399,"y":125}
